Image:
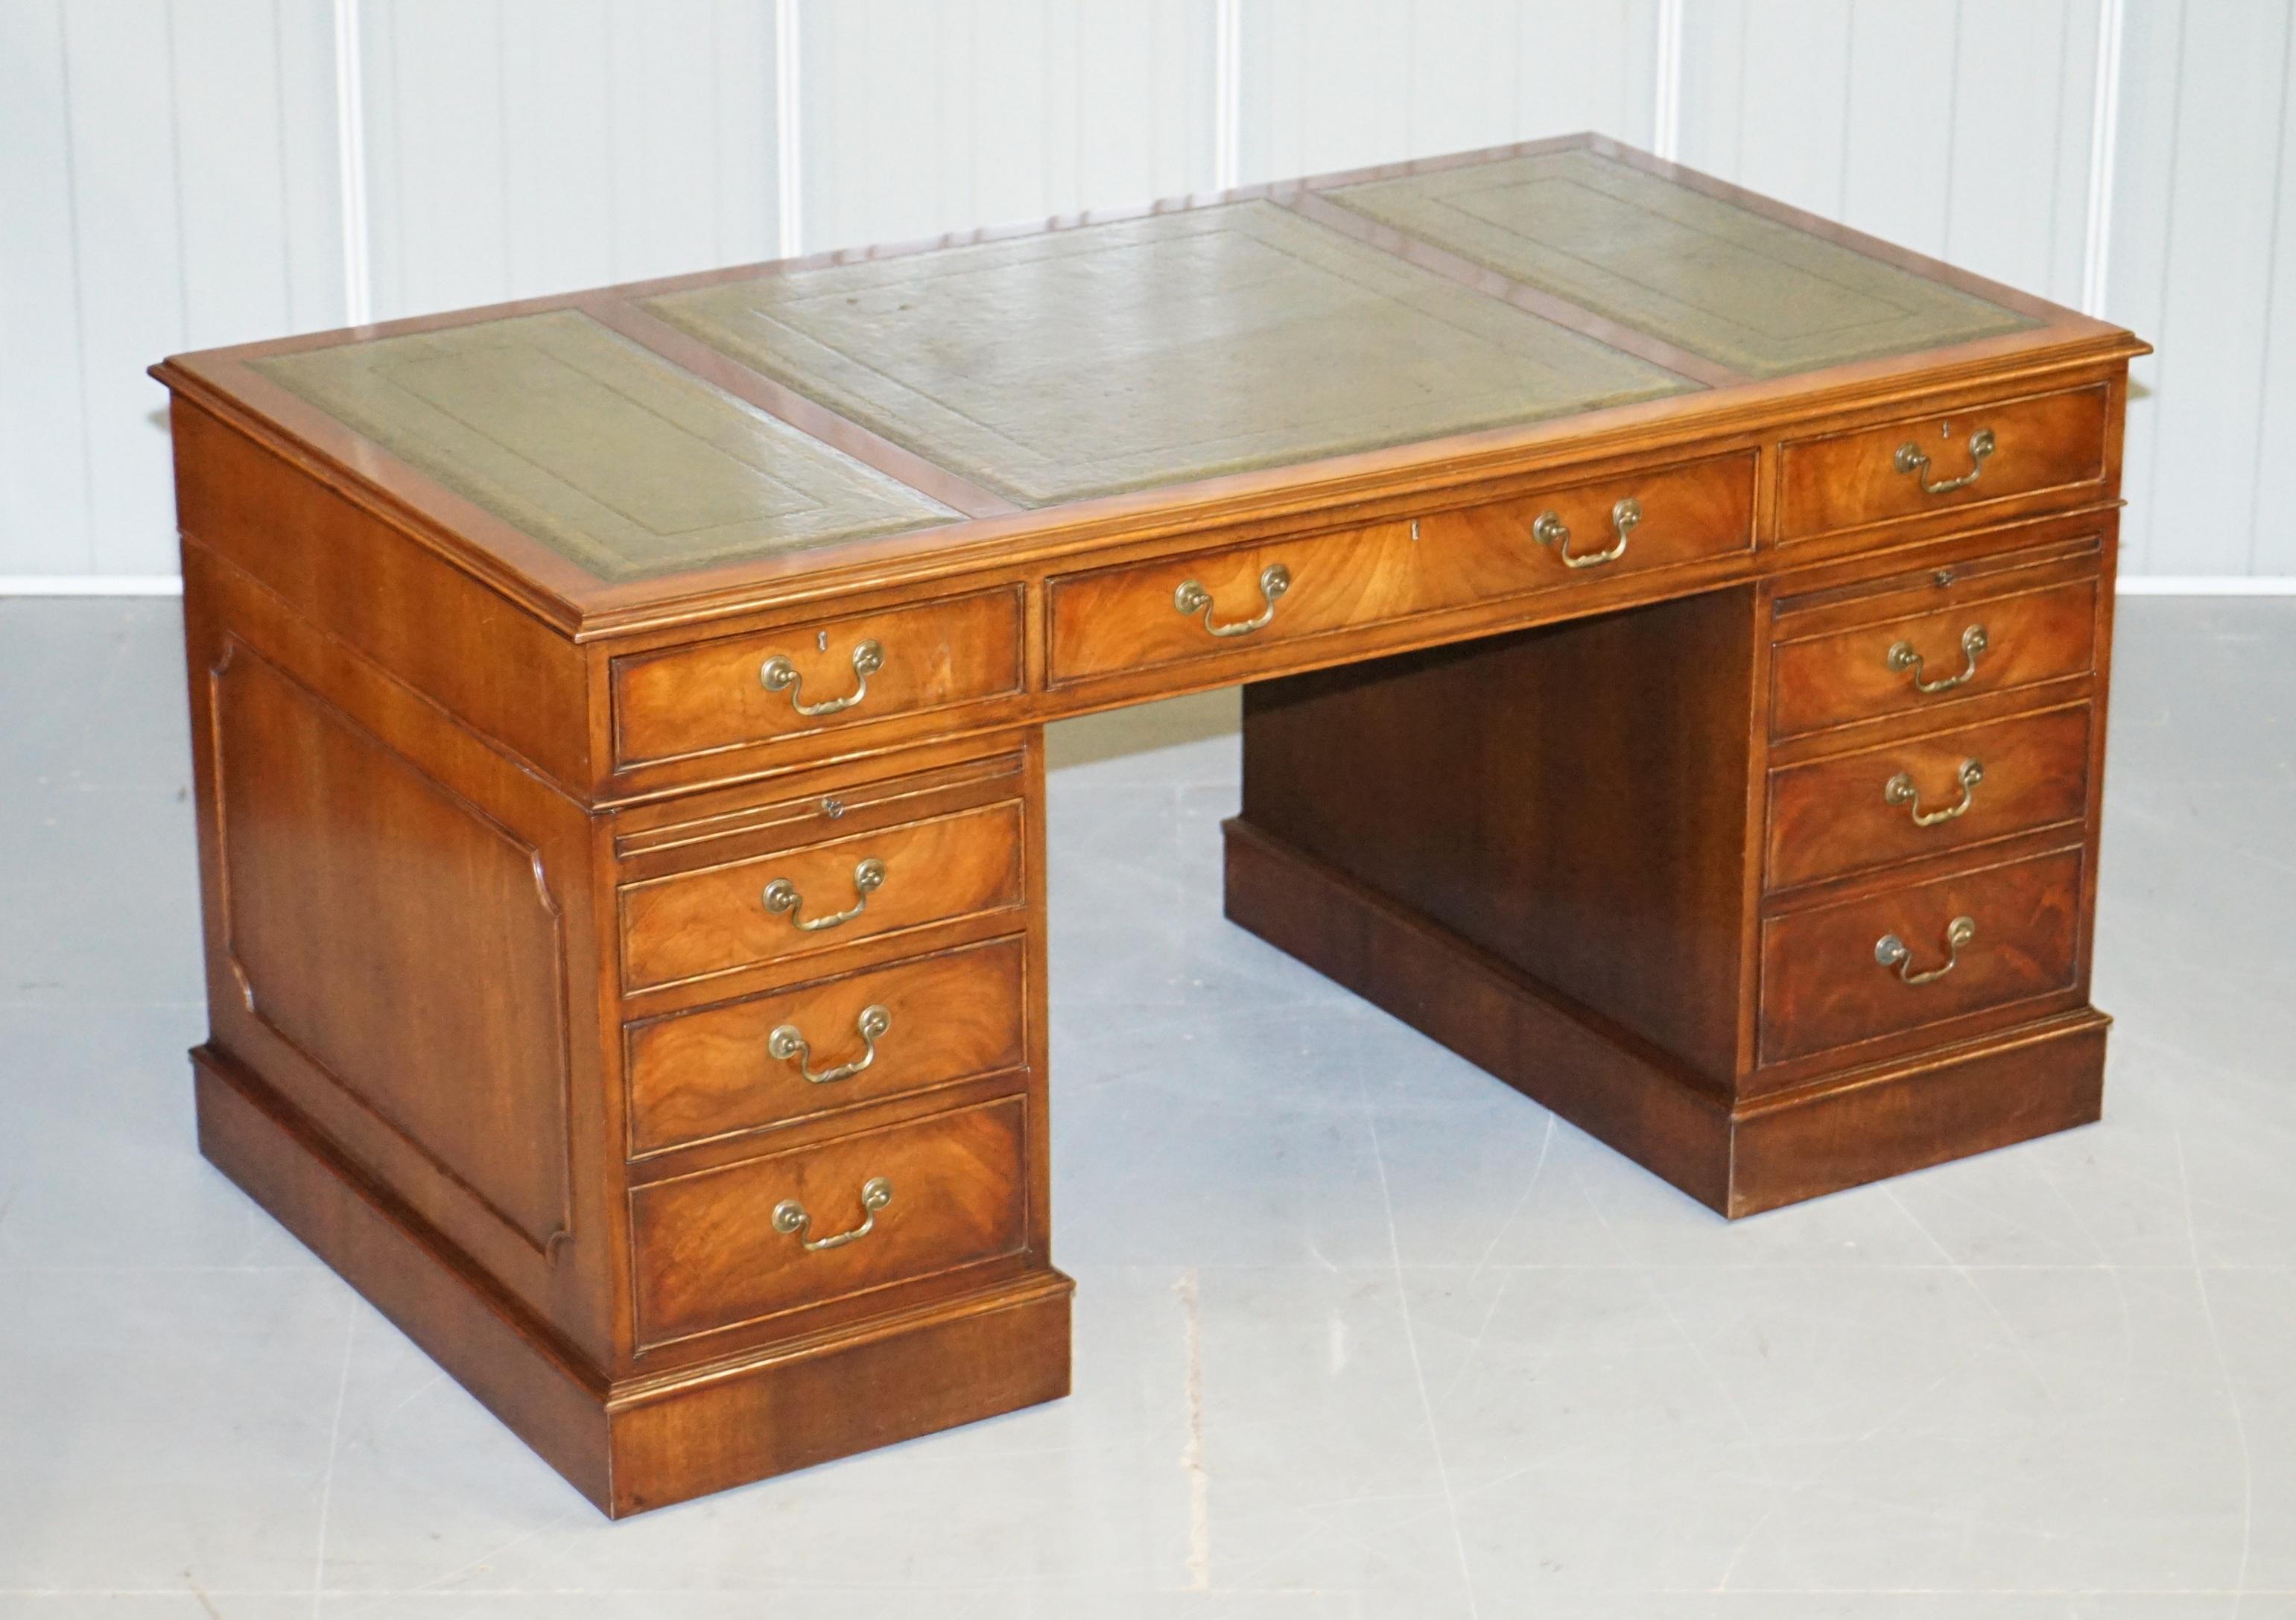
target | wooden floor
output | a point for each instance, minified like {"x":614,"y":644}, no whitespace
{"x":1358,"y":1330}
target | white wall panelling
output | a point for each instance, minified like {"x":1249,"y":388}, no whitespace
{"x":534,"y":146}
{"x":927,"y":116}
{"x":1342,"y":84}
{"x":2203,"y":263}
{"x":180,"y":173}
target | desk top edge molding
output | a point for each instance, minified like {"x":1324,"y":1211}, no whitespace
{"x":2062,"y":344}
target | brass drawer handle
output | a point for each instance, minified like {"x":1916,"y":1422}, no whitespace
{"x":1893,"y":952}
{"x":1911,"y":459}
{"x":790,"y":1218}
{"x":777,"y":674}
{"x":1191,"y":598}
{"x":781,"y":896}
{"x":788,"y":1044}
{"x":1552,"y":530}
{"x":1899,"y":789}
{"x":1902,"y":657}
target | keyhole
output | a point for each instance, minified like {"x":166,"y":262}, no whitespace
{"x":820,"y":642}
{"x":1945,"y":430}
{"x":1415,"y":531}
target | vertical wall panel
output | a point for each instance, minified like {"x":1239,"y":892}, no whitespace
{"x":2023,"y":89}
{"x":1766,"y":95}
{"x":522,"y":147}
{"x":927,"y":116}
{"x":128,"y":235}
{"x":2275,"y":548}
{"x":1898,"y":149}
{"x":2203,"y":450}
{"x":44,"y":466}
{"x":1344,"y":84}
{"x":2137,"y":283}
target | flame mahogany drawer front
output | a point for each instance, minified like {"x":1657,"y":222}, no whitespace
{"x":1965,"y":457}
{"x":726,"y":1245}
{"x":1923,"y":661}
{"x":1835,"y":975}
{"x":1927,"y":795}
{"x":741,"y":1065}
{"x":1182,"y":608}
{"x":809,"y":677}
{"x":800,"y":902}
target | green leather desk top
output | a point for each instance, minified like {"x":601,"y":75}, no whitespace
{"x":1150,"y":351}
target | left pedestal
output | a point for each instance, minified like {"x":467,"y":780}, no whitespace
{"x":702,"y":1137}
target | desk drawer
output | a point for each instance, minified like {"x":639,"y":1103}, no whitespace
{"x":797,"y":903}
{"x":1923,"y":464}
{"x":1927,"y":795}
{"x":1195,"y":606}
{"x":1929,"y":661}
{"x":741,"y":1065}
{"x":809,"y":677}
{"x":727,"y":1246}
{"x":1839,"y":974}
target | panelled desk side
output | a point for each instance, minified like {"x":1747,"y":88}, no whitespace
{"x":1764,"y":848}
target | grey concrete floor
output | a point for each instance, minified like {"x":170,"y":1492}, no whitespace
{"x":1359,"y":1331}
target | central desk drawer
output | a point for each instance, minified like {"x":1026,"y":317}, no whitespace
{"x":726,"y":1245}
{"x":799,"y":901}
{"x":1926,"y":795}
{"x":1207,"y":602}
{"x":1836,"y":974}
{"x":741,"y":1066}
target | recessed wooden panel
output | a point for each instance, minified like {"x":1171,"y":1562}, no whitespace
{"x":1720,"y":281}
{"x":708,"y":1255}
{"x":715,"y":920}
{"x":1129,"y":618}
{"x":1823,"y":985}
{"x":1832,"y":680}
{"x":397,"y":936}
{"x":2051,"y":442}
{"x":1155,"y":351}
{"x":696,"y":699}
{"x":601,"y":450}
{"x":712,"y":1073}
{"x":1848,"y":812}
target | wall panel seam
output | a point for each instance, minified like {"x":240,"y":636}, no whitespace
{"x":350,"y":162}
{"x":2105,"y":130}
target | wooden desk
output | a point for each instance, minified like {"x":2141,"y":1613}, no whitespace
{"x":1674,"y":634}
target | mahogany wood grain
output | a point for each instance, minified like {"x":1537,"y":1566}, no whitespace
{"x":2040,"y":1078}
{"x":710,"y":1255}
{"x":1571,"y":799}
{"x":1856,"y":1126}
{"x":484,"y":836}
{"x":1822,"y":987}
{"x":713,"y":921}
{"x":2052,"y":442}
{"x":1836,"y":815}
{"x":1127,"y":618}
{"x":1850,"y":675}
{"x":699,"y":699}
{"x":708,"y":1074}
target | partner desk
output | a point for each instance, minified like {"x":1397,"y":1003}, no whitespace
{"x":1674,"y":634}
